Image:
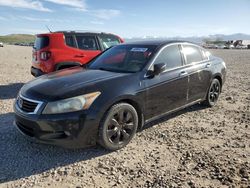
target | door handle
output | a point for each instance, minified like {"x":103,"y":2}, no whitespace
{"x":208,"y":65}
{"x":183,"y":73}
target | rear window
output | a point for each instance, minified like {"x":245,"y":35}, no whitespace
{"x":192,"y":53}
{"x":204,"y":54}
{"x":69,"y":40}
{"x":109,"y":41}
{"x":41,"y":42}
{"x":86,"y":42}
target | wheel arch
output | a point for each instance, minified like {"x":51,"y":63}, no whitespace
{"x":218,"y":77}
{"x":133,"y":103}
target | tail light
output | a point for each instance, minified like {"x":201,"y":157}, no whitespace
{"x":45,"y":55}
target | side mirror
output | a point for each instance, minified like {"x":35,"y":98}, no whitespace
{"x":157,"y":69}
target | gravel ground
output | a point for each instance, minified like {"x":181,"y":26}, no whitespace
{"x":196,"y":147}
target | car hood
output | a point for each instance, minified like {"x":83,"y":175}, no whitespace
{"x":67,"y":83}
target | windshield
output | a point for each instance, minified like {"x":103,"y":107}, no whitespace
{"x":124,"y":58}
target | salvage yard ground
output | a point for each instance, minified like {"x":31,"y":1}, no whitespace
{"x":196,"y":147}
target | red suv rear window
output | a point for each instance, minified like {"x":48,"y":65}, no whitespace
{"x":41,"y":42}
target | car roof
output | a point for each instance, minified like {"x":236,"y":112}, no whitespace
{"x":83,"y":32}
{"x":157,"y":42}
{"x":78,"y":32}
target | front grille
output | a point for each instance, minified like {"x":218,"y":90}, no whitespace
{"x":25,"y":129}
{"x":27,"y":105}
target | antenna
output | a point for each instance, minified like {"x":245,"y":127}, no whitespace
{"x":48,"y":28}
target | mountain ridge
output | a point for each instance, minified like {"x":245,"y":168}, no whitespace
{"x":197,"y":39}
{"x":26,"y":38}
{"x":17,"y":38}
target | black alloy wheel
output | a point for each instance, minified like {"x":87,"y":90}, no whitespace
{"x":213,"y":93}
{"x":118,"y":126}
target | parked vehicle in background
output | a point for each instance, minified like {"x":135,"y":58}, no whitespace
{"x":229,"y":46}
{"x":1,"y":44}
{"x":240,"y":46}
{"x":221,"y":46}
{"x":107,"y":101}
{"x":63,"y":49}
{"x":31,"y":44}
{"x":210,"y":46}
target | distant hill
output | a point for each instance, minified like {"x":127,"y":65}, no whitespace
{"x":25,"y":38}
{"x":236,"y":36}
{"x":200,"y":39}
{"x":17,"y":38}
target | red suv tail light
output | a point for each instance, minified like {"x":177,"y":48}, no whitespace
{"x":45,"y":55}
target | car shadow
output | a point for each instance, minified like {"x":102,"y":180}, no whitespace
{"x":22,"y":158}
{"x":10,"y":91}
{"x":164,"y":118}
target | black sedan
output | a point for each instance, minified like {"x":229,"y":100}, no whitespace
{"x":119,"y":91}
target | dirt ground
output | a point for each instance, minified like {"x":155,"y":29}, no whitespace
{"x":196,"y":147}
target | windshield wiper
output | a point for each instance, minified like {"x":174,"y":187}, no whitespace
{"x":110,"y":70}
{"x":106,"y":69}
{"x":115,"y":70}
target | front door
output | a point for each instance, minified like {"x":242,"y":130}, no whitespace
{"x":167,"y":91}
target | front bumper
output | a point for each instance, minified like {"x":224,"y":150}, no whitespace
{"x":36,"y":72}
{"x":70,"y":130}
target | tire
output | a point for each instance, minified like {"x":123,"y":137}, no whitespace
{"x":118,"y":126}
{"x":213,"y":93}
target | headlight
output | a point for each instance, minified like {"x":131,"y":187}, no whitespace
{"x":71,"y":104}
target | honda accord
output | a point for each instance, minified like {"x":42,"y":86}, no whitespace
{"x":117,"y":93}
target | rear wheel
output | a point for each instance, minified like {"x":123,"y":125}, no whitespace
{"x":118,"y":126}
{"x":213,"y":93}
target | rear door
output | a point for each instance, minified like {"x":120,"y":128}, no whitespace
{"x":168,"y":90}
{"x":86,"y":47}
{"x":198,"y":69}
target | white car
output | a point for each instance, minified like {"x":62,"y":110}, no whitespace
{"x":221,"y":46}
{"x":1,"y":44}
{"x":231,"y":46}
{"x":241,"y":47}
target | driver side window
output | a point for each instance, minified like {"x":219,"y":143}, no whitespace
{"x":171,"y":56}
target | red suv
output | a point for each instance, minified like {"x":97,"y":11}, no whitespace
{"x":63,"y":49}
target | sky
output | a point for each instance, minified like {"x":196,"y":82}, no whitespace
{"x":127,"y":18}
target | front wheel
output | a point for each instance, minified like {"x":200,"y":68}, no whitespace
{"x":213,"y":93}
{"x":118,"y":126}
